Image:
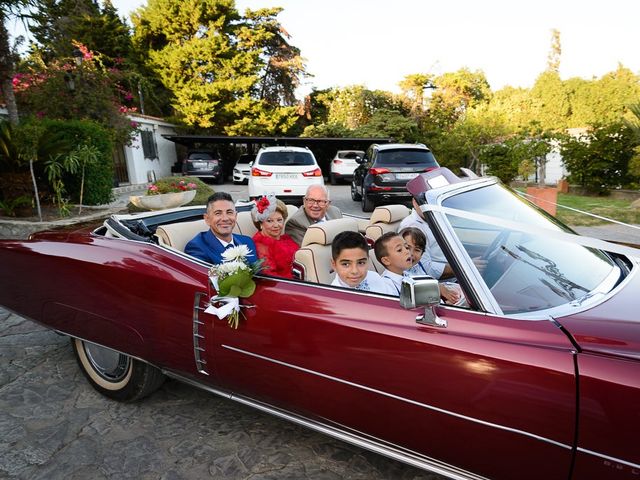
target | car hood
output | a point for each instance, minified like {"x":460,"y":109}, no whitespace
{"x":611,"y":327}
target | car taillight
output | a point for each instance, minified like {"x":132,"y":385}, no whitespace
{"x":213,"y":163}
{"x":337,"y":162}
{"x":428,"y":169}
{"x":378,"y":171}
{"x":313,"y":173}
{"x":256,"y":172}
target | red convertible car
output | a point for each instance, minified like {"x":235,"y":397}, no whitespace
{"x":536,"y":377}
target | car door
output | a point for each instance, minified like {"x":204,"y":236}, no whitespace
{"x":490,"y":395}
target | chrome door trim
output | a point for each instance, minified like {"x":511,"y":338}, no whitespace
{"x":359,"y":439}
{"x":403,"y":399}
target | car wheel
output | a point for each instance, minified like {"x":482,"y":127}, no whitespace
{"x":368,"y":205}
{"x":355,"y":196}
{"x":114,"y":374}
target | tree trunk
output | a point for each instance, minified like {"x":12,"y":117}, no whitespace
{"x":6,"y":72}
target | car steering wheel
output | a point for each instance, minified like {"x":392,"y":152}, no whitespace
{"x":495,"y":245}
{"x":493,"y":270}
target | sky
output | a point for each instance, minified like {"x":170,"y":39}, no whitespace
{"x":376,"y":43}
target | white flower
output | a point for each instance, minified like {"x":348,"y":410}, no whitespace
{"x":229,"y":268}
{"x":236,"y":253}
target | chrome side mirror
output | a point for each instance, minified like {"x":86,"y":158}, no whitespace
{"x":422,"y":291}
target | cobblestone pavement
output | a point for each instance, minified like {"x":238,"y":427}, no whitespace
{"x":53,"y":425}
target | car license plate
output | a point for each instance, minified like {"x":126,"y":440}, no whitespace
{"x":406,"y":176}
{"x":200,"y":165}
{"x":286,"y":176}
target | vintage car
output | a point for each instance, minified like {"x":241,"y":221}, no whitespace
{"x":537,"y":377}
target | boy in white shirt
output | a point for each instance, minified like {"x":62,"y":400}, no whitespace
{"x":395,"y":254}
{"x":350,"y":261}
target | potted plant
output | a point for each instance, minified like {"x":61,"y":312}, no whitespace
{"x":162,"y":195}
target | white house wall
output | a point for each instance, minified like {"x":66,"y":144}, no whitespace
{"x":143,"y":170}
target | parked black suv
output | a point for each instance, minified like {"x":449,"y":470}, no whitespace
{"x":203,"y":164}
{"x":383,"y":173}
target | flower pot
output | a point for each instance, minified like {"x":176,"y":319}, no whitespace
{"x":545,"y":197}
{"x":163,"y":201}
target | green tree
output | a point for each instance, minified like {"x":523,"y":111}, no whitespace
{"x":62,"y":90}
{"x":213,"y":61}
{"x":599,"y":159}
{"x":389,"y":123}
{"x":9,"y":9}
{"x":455,"y":93}
{"x":55,"y":23}
{"x":353,"y":106}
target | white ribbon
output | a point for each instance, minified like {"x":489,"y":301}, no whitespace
{"x":229,"y":304}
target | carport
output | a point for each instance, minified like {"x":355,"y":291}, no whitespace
{"x":230,"y":148}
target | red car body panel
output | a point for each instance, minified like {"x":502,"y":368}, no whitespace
{"x":609,"y":339}
{"x":489,"y":394}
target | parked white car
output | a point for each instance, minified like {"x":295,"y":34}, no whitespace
{"x":285,"y":171}
{"x":242,"y":168}
{"x":343,"y":165}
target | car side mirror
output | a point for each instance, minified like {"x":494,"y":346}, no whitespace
{"x":422,"y":291}
{"x":359,"y":160}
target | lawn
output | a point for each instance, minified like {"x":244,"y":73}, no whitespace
{"x":604,"y":206}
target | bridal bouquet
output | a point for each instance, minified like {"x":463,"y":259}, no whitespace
{"x":232,"y":279}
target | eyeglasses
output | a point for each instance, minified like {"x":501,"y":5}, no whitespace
{"x":313,"y":201}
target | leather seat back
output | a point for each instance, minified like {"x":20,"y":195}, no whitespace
{"x":314,"y":255}
{"x":177,"y":235}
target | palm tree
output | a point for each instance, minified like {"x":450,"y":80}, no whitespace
{"x":8,"y":9}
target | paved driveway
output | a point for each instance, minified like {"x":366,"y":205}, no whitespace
{"x":53,"y":425}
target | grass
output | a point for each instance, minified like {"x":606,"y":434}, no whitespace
{"x":614,"y":208}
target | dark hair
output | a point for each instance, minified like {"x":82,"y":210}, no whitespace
{"x":417,"y":236}
{"x":346,"y":240}
{"x":219,"y":196}
{"x":380,"y":247}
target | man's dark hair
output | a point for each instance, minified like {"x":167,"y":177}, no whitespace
{"x":380,"y":247}
{"x":219,"y":196}
{"x":346,"y":240}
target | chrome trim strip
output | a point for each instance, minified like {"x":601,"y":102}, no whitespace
{"x":403,"y":399}
{"x":607,"y":457}
{"x":359,"y":439}
{"x":198,"y":338}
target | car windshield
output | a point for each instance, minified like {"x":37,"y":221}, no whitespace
{"x":286,"y":158}
{"x":527,"y":272}
{"x":409,"y":156}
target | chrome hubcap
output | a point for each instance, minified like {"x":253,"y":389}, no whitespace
{"x":110,"y":365}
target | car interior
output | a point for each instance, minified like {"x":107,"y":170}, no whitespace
{"x":312,"y":262}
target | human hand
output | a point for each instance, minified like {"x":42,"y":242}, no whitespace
{"x":451,"y":292}
{"x":480,"y":263}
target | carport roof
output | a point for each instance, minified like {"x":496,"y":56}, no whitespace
{"x":191,"y":140}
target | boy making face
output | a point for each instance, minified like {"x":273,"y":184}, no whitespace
{"x":394,"y":254}
{"x":350,"y":261}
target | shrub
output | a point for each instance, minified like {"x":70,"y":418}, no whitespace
{"x":98,"y":180}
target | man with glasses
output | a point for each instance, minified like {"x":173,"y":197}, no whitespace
{"x":316,"y":208}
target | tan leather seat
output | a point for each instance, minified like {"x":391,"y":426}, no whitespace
{"x":177,"y":235}
{"x":314,"y":255}
{"x":385,"y":219}
{"x":244,"y":224}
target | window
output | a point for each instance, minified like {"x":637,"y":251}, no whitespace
{"x":149,"y":147}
